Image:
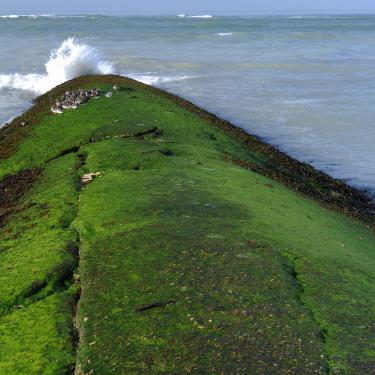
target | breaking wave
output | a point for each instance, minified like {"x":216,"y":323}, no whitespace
{"x":69,"y":61}
{"x":35,"y":16}
{"x":303,"y":17}
{"x":195,"y":16}
{"x":9,"y":16}
{"x":225,"y":34}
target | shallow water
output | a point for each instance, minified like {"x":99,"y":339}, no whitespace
{"x":305,"y":84}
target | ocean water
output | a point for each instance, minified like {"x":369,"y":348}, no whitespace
{"x":303,"y":83}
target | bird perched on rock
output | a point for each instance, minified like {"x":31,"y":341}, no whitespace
{"x":73,"y":99}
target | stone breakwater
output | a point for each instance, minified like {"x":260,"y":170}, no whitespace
{"x":73,"y":99}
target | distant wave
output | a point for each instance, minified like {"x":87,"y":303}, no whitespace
{"x":297,"y":102}
{"x":69,"y":61}
{"x":301,"y":17}
{"x":10,"y":16}
{"x":26,"y":15}
{"x":35,"y":16}
{"x":71,"y":16}
{"x":195,"y":16}
{"x":224,"y":34}
{"x":153,"y":79}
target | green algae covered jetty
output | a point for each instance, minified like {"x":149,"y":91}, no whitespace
{"x":143,"y":235}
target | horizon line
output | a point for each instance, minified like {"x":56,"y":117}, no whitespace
{"x":217,"y":13}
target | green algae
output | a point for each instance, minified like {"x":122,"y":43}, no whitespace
{"x":38,"y":339}
{"x":36,"y":267}
{"x":189,"y":263}
{"x":186,"y":211}
{"x":35,"y":242}
{"x":221,"y":312}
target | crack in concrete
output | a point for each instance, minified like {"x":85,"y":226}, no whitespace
{"x":138,"y":135}
{"x":41,"y":289}
{"x":77,"y":336}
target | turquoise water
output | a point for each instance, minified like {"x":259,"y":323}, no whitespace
{"x":303,"y":83}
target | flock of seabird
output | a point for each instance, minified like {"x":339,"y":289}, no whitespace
{"x":73,"y":99}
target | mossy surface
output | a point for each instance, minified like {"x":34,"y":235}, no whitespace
{"x":37,"y":262}
{"x":38,"y":339}
{"x":189,"y":261}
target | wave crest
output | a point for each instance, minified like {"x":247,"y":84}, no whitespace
{"x":10,"y":16}
{"x":69,"y":61}
{"x":36,"y":16}
{"x":225,"y":34}
{"x":195,"y":16}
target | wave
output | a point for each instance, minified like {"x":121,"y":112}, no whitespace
{"x":35,"y":16}
{"x":297,"y":102}
{"x":302,"y":17}
{"x":224,"y":34}
{"x":69,"y":61}
{"x":195,"y":16}
{"x":26,"y":15}
{"x":9,"y":16}
{"x":71,"y":16}
{"x":152,"y":79}
{"x":73,"y":59}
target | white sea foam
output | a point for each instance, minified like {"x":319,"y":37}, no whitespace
{"x":301,"y":17}
{"x":35,"y":16}
{"x":224,"y":34}
{"x":153,"y":79}
{"x":9,"y":16}
{"x":72,"y":16}
{"x":297,"y":102}
{"x":27,"y":16}
{"x":69,"y":61}
{"x":195,"y":16}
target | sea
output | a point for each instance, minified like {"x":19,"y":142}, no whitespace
{"x":304,"y":83}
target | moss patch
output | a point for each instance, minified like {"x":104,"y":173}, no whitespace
{"x":38,"y":339}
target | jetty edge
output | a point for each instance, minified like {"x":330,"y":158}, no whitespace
{"x":142,"y":234}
